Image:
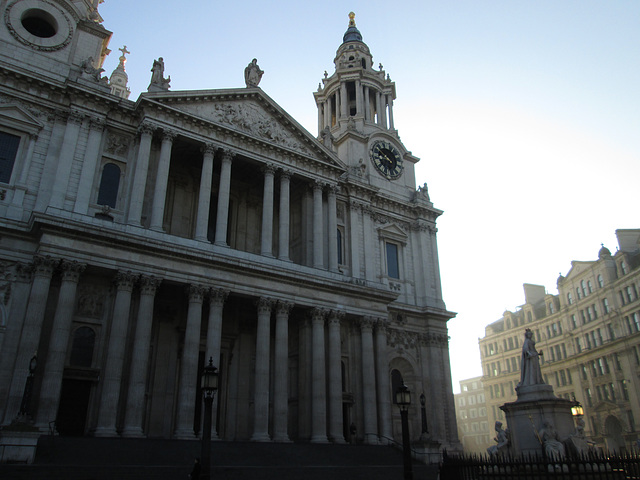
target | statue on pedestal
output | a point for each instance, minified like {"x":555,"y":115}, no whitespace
{"x":530,"y":362}
{"x":158,"y":82}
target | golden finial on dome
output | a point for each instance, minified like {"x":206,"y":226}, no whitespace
{"x":352,"y":22}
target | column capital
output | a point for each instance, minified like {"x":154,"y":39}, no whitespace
{"x":335,"y":317}
{"x":75,"y":117}
{"x":285,"y":174}
{"x":318,"y":314}
{"x":366,"y":323}
{"x":264,"y":304}
{"x":217,"y":296}
{"x":332,"y":189}
{"x":195,"y":292}
{"x":125,"y":280}
{"x":71,"y":270}
{"x":228,"y":155}
{"x":148,"y":284}
{"x":97,"y":124}
{"x":382,"y":325}
{"x":169,"y":134}
{"x":317,"y":185}
{"x":146,"y":128}
{"x":269,"y":169}
{"x":43,"y":266}
{"x":209,"y":148}
{"x":284,"y":307}
{"x":23,"y":272}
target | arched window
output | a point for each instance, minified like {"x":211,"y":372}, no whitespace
{"x":109,"y":184}
{"x":339,"y":239}
{"x":396,"y":382}
{"x":84,"y":339}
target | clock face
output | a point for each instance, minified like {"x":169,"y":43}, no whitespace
{"x":387,"y":159}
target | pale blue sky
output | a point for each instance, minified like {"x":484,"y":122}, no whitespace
{"x":526,"y":116}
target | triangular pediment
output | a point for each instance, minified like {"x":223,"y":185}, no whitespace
{"x":251,"y":113}
{"x":577,"y":268}
{"x":393,"y":232}
{"x":17,"y":117}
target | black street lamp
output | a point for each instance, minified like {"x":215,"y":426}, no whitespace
{"x":209,"y":385}
{"x":25,"y":405}
{"x":423,"y":401}
{"x":403,"y":399}
{"x":577,"y":410}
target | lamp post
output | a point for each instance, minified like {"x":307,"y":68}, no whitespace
{"x":25,"y":406}
{"x":209,"y":385}
{"x":403,"y":399}
{"x":577,"y":410}
{"x":425,"y":430}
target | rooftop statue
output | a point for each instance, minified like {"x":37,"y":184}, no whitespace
{"x":157,"y":76}
{"x":252,"y":74}
{"x":530,"y":362}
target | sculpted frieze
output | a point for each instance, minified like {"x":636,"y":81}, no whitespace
{"x":117,"y":144}
{"x":90,"y":301}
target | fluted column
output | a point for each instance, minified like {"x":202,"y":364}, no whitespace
{"x":328,"y":113}
{"x":367,"y":105}
{"x":162,"y":179}
{"x":58,"y":343}
{"x":266,"y":243}
{"x":318,"y":378}
{"x":89,"y":165}
{"x":204,"y":197}
{"x":19,"y":301}
{"x":379,"y":108}
{"x":136,"y":198}
{"x":283,"y":232}
{"x":343,"y":101}
{"x":217,"y":297}
{"x":369,"y":410}
{"x":224,"y":190}
{"x":65,"y":159}
{"x":383,"y":111}
{"x":318,"y":235}
{"x":382,"y":382}
{"x":112,"y":374}
{"x":354,"y":237}
{"x":189,"y":365}
{"x":30,"y":336}
{"x":261,"y":393}
{"x":281,"y":371}
{"x":320,"y":106}
{"x":333,"y":228}
{"x":134,"y":414}
{"x":335,"y":378}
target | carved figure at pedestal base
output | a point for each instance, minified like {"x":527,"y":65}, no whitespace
{"x":502,"y":441}
{"x":553,"y":447}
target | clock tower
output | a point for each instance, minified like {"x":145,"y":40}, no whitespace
{"x":355,"y":117}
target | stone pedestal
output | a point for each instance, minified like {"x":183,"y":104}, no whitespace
{"x":525,"y":417}
{"x":427,"y":450}
{"x":18,"y":443}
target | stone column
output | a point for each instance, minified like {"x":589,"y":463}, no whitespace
{"x":379,"y":108}
{"x":30,"y":336}
{"x":354,"y":224}
{"x":14,"y":211}
{"x":383,"y":111}
{"x":382,"y":382}
{"x":369,"y":411}
{"x":320,"y":115}
{"x":335,"y":378}
{"x":318,"y":378}
{"x":89,"y":166}
{"x":307,"y":226}
{"x":266,"y":244}
{"x":189,"y":365}
{"x":162,"y":179}
{"x":390,"y":98}
{"x":217,"y":297}
{"x":343,"y":101}
{"x":134,"y":414}
{"x":112,"y":373}
{"x":58,"y":343}
{"x":261,"y":393}
{"x":367,"y":105}
{"x":204,"y":197}
{"x":65,"y":160}
{"x":371,"y":268}
{"x":223,"y":198}
{"x":333,"y":228}
{"x":140,"y":175}
{"x":51,"y":161}
{"x":328,"y":110}
{"x":283,"y":232}
{"x":359,"y":109}
{"x":19,"y":298}
{"x":318,"y":235}
{"x":281,"y":371}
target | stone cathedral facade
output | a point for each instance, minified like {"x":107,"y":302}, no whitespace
{"x":140,"y":238}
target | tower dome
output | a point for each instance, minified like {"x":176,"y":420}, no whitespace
{"x":352,"y":34}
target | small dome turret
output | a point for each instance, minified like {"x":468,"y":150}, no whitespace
{"x":604,"y":252}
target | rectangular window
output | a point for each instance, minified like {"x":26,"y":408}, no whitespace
{"x":8,"y":150}
{"x":393,"y":266}
{"x":574,"y":324}
{"x":605,"y":305}
{"x":632,"y":421}
{"x":588,"y":396}
{"x":569,"y":377}
{"x":612,"y":333}
{"x":624,"y":387}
